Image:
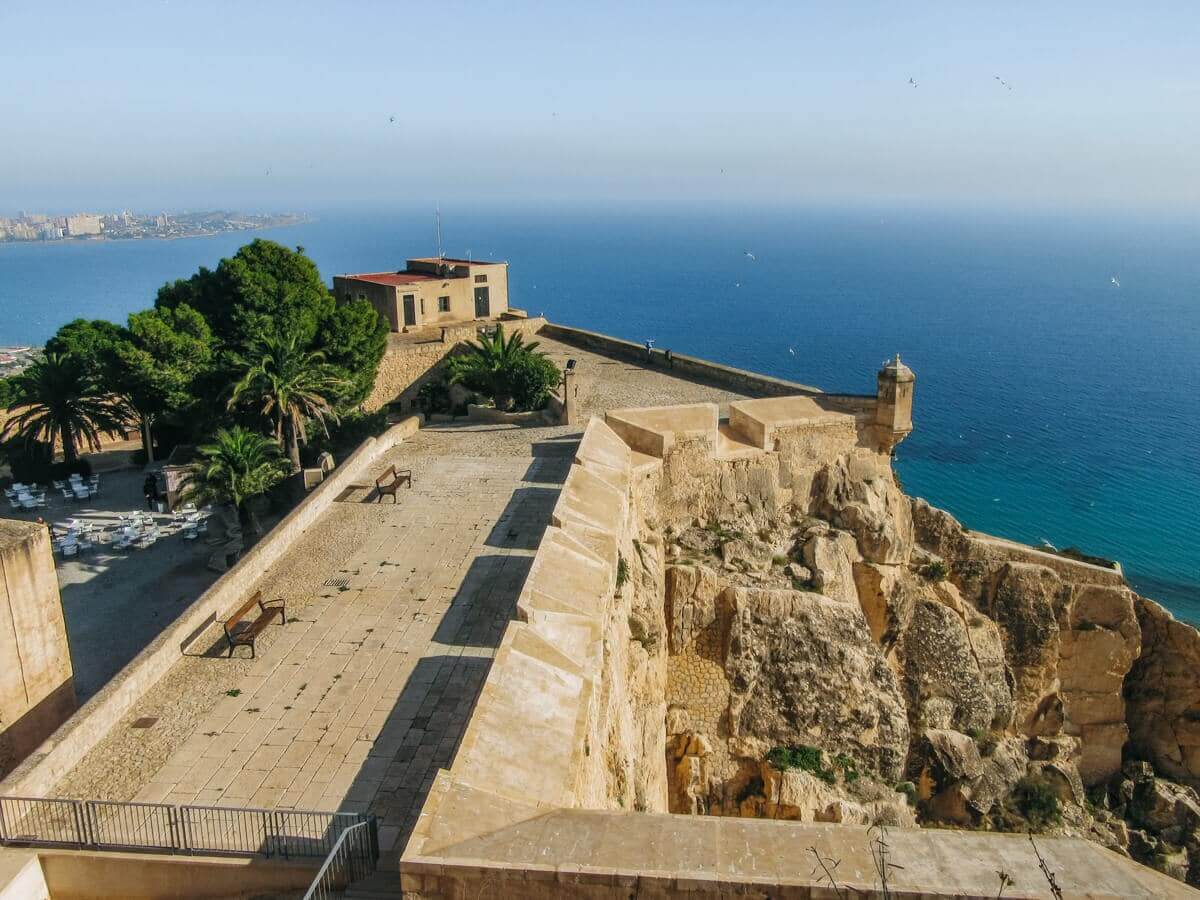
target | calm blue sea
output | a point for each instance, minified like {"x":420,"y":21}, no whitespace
{"x":1050,"y":403}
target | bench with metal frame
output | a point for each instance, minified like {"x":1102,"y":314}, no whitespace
{"x":399,"y":477}
{"x":241,"y":630}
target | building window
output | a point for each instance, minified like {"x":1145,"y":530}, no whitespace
{"x":422,"y":306}
{"x":443,"y":304}
{"x":481,"y":279}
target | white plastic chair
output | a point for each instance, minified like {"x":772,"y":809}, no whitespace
{"x":70,"y":549}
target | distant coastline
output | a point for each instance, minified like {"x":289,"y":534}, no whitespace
{"x":87,"y":228}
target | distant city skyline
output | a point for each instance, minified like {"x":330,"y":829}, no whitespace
{"x":315,"y":106}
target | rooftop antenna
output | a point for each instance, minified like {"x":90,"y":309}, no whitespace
{"x":438,"y":216}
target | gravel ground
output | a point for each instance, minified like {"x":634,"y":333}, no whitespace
{"x":127,"y":758}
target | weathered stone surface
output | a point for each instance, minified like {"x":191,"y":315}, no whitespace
{"x":956,"y":782}
{"x":692,"y":602}
{"x":803,"y":670}
{"x":1162,"y":692}
{"x":831,"y":561}
{"x":1159,"y":805}
{"x":872,"y":508}
{"x":1095,"y":655}
{"x":953,"y":665}
{"x":799,"y":796}
{"x":1025,"y":603}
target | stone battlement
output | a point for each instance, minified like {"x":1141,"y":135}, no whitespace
{"x":537,"y":801}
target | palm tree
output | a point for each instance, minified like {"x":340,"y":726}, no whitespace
{"x":487,"y":366}
{"x":55,"y":400}
{"x":239,"y":464}
{"x":291,"y":385}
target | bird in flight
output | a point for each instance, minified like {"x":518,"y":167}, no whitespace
{"x":791,"y":351}
{"x":392,"y":119}
{"x":750,"y":256}
{"x":1115,"y":281}
{"x":1003,"y":82}
{"x":912,"y":82}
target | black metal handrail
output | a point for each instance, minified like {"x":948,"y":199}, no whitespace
{"x":165,"y":828}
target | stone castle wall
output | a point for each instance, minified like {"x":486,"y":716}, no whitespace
{"x":37,"y":689}
{"x":410,"y":361}
{"x":548,"y":796}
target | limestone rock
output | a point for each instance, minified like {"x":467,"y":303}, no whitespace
{"x":1095,"y":655}
{"x":803,"y":670}
{"x":1159,"y":805}
{"x":872,"y":508}
{"x":800,"y":573}
{"x":954,"y":669}
{"x":937,"y":530}
{"x":692,"y":598}
{"x":1025,"y":603}
{"x":1162,"y":694}
{"x":831,"y":560}
{"x":799,"y":796}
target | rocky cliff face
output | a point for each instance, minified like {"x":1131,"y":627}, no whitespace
{"x":839,"y":652}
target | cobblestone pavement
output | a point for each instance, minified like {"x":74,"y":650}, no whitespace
{"x":360,"y":700}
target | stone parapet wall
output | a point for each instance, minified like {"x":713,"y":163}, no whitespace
{"x":69,"y":744}
{"x":617,"y":855}
{"x":412,"y":359}
{"x":703,"y":370}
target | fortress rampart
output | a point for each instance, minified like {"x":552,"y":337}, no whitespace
{"x":562,"y":785}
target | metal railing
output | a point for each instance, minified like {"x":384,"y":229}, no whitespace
{"x":352,"y":857}
{"x":162,"y":827}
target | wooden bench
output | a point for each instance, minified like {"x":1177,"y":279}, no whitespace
{"x":241,"y":630}
{"x":398,"y":477}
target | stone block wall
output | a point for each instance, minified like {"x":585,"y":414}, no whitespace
{"x":410,"y":361}
{"x":37,"y":691}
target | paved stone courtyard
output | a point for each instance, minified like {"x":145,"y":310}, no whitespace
{"x":394,"y":611}
{"x":365,"y":695}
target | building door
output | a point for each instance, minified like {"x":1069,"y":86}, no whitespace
{"x":483,"y":305}
{"x":410,"y":312}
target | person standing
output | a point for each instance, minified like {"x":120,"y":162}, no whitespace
{"x":150,"y":489}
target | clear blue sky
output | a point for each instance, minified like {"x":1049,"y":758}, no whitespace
{"x":189,"y":103}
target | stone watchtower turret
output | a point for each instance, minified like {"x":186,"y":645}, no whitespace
{"x":893,"y":410}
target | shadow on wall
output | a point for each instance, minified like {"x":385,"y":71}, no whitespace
{"x":23,"y":736}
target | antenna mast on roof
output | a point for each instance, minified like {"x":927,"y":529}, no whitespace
{"x":438,"y":215}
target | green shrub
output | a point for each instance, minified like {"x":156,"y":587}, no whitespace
{"x":802,"y":757}
{"x":532,"y":378}
{"x":622,"y":572}
{"x":1036,"y":800}
{"x":936,"y":571}
{"x":909,"y":790}
{"x":515,"y":375}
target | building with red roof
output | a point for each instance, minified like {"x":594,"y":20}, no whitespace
{"x":431,"y":290}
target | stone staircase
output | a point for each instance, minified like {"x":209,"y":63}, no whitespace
{"x":383,"y":885}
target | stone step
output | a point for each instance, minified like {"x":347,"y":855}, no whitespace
{"x":382,"y":884}
{"x":731,"y":444}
